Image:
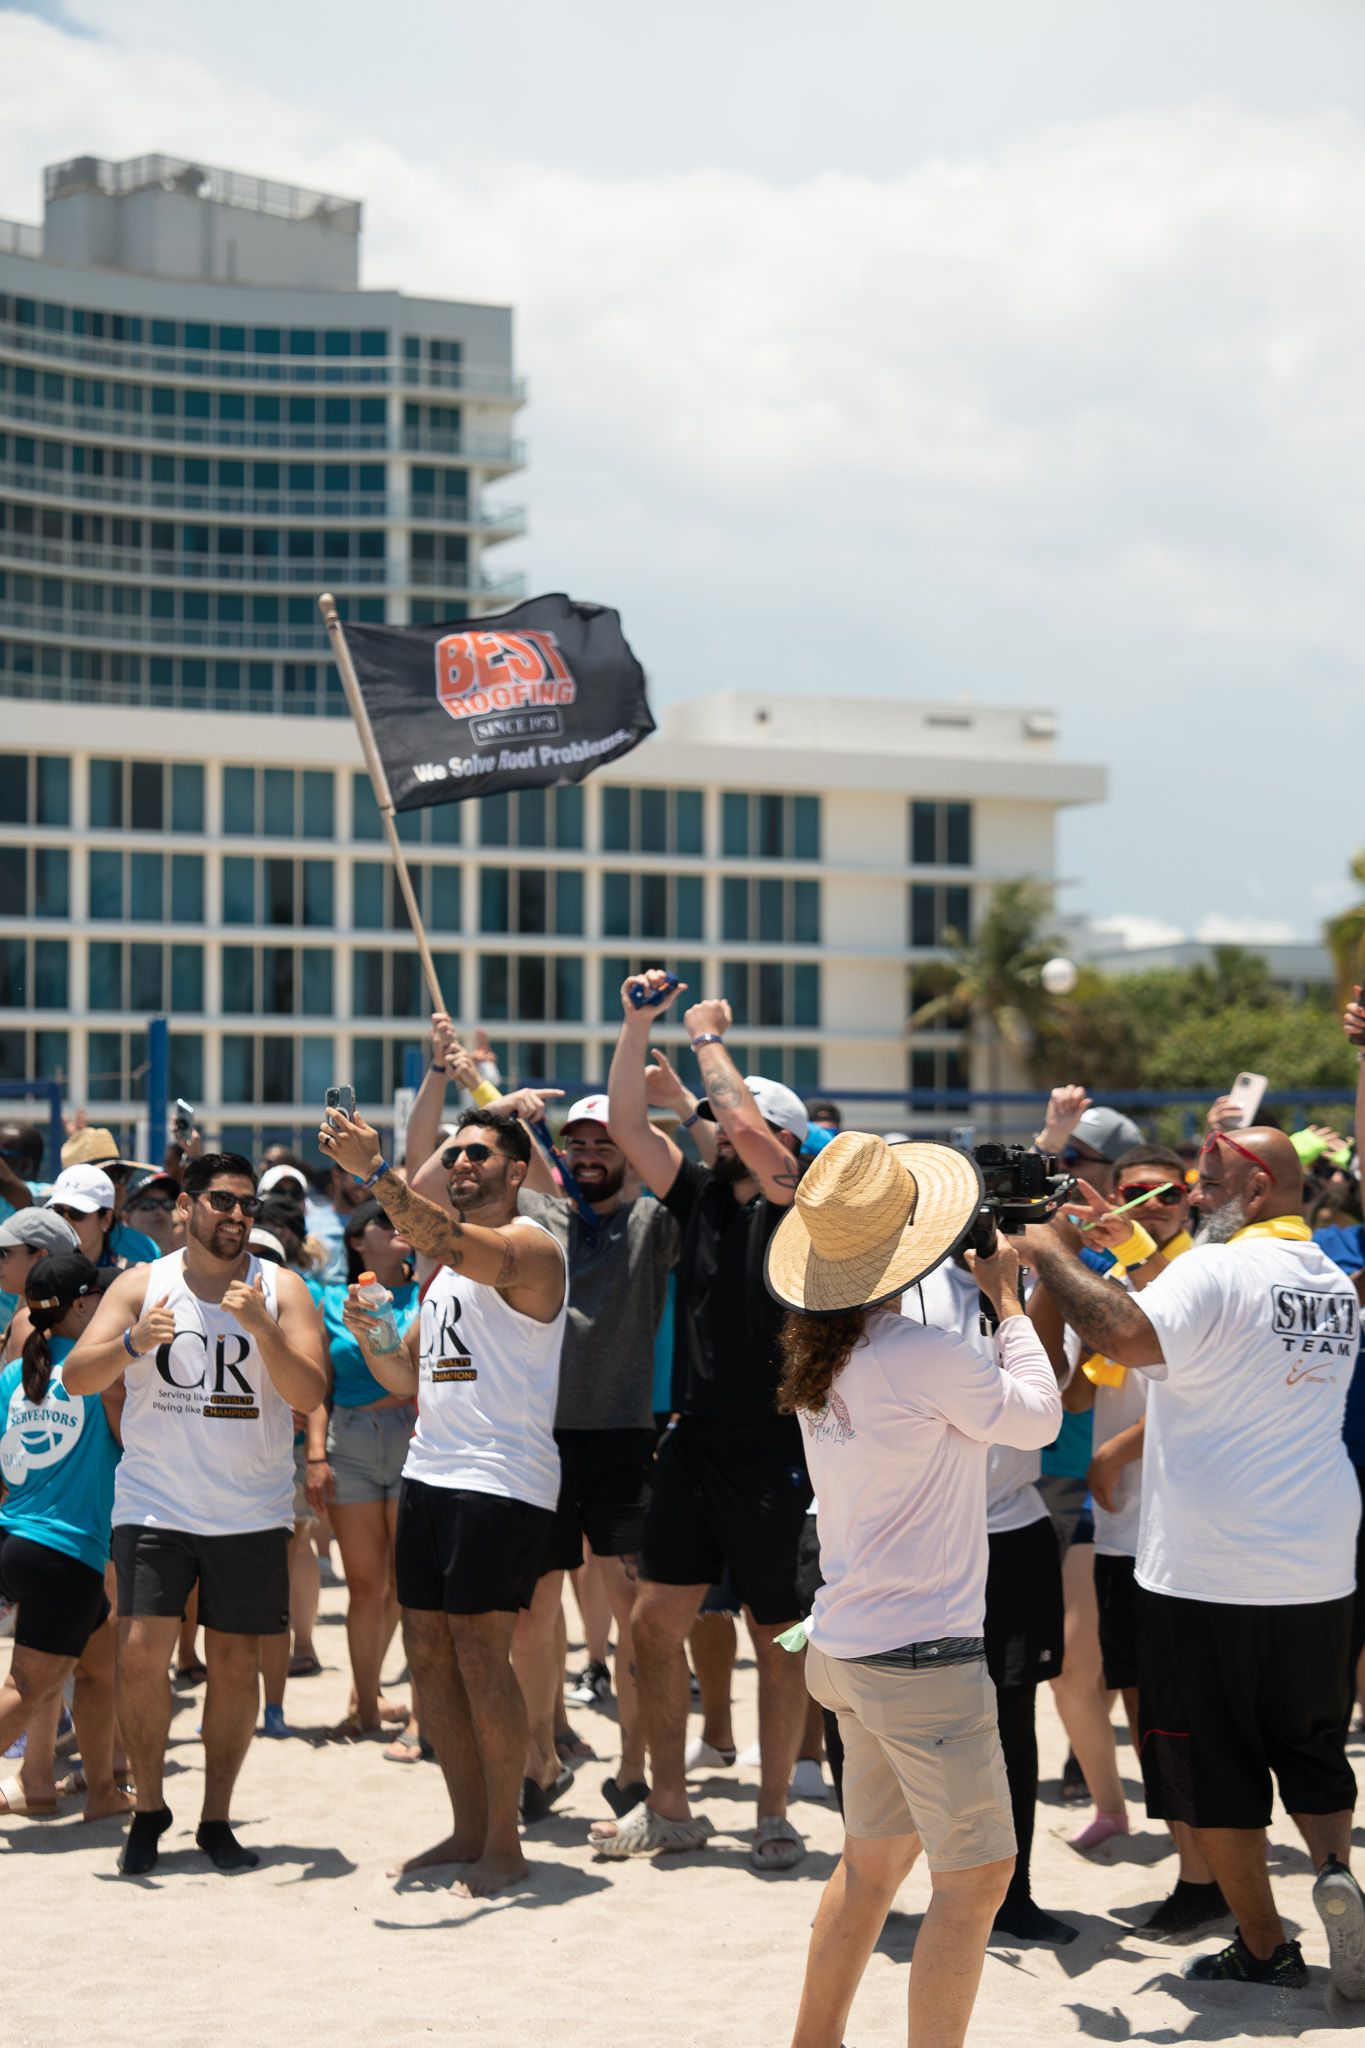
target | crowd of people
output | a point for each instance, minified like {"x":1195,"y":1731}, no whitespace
{"x":718,"y":1359}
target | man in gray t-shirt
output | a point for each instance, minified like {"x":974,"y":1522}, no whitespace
{"x":604,"y":1426}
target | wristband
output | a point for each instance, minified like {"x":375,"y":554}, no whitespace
{"x":707,"y":1038}
{"x":485,"y":1093}
{"x":437,"y":1068}
{"x":378,"y":1174}
{"x":129,"y":1345}
{"x":687,"y":1122}
{"x":316,"y":1461}
{"x":1136,"y":1249}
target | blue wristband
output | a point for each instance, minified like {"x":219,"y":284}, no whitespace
{"x":378,"y":1174}
{"x":129,"y":1345}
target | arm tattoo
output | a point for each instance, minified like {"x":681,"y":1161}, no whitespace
{"x":1100,"y":1313}
{"x":508,"y":1270}
{"x":427,"y":1228}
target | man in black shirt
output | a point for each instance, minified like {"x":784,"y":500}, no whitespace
{"x":730,"y":1484}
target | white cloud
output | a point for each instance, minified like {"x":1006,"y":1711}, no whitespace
{"x":1130,"y":931}
{"x":1217,"y":929}
{"x":1078,"y":419}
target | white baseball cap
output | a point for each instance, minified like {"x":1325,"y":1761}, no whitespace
{"x":777,"y":1105}
{"x":278,"y":1174}
{"x":86,"y":1188}
{"x":589,"y":1109}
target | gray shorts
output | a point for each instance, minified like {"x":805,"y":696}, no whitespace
{"x":367,"y":1449}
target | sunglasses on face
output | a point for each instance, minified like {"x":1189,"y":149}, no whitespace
{"x":475,"y":1154}
{"x":223,"y":1204}
{"x":71,"y":1215}
{"x":160,"y":1205}
{"x":1168,"y":1197}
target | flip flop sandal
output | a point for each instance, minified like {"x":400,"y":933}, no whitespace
{"x":12,"y":1792}
{"x":189,"y":1674}
{"x":305,"y":1667}
{"x":622,"y":1799}
{"x":537,"y":1799}
{"x":787,"y":1846}
{"x":646,"y":1833}
{"x":415,"y":1748}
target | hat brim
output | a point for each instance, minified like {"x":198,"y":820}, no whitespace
{"x":950,"y":1194}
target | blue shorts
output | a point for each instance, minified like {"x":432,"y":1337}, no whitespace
{"x":367,"y":1449}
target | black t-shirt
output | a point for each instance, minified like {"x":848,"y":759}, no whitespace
{"x":725,"y":1356}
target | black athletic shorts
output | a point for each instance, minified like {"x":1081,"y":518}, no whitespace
{"x":1228,"y":1695}
{"x":460,"y":1552}
{"x":243,"y":1580}
{"x":729,"y":1493}
{"x":60,"y":1601}
{"x":1116,"y":1596}
{"x":1024,"y":1618}
{"x":603,"y":1493}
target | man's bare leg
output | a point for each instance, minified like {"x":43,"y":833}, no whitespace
{"x":617,"y":1575}
{"x":143,"y":1695}
{"x":497,"y":1712}
{"x":30,"y":1705}
{"x":660,"y":1619}
{"x":447,"y":1727}
{"x":782,"y":1701}
{"x":712,"y":1641}
{"x":1327,"y":1835}
{"x":850,"y":1917}
{"x":230,"y":1696}
{"x":950,"y":1949}
{"x":539,"y":1667}
{"x":1236,"y":1856}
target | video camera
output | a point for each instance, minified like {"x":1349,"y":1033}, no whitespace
{"x":1022,"y":1187}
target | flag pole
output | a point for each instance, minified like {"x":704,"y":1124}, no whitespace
{"x":379,"y":782}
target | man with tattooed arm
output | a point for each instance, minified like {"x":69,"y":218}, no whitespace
{"x":1246,"y":1545}
{"x":482,"y":1475}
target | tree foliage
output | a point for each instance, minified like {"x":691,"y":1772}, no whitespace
{"x":1345,"y":936}
{"x":993,"y":978}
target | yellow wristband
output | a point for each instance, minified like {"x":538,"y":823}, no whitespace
{"x":486,"y":1093}
{"x":1136,"y":1248}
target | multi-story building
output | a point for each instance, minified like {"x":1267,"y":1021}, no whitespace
{"x":199,"y":839}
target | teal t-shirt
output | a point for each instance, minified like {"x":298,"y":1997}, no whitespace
{"x":353,"y":1384}
{"x":133,"y":1246}
{"x":57,"y":1461}
{"x":1069,"y":1455}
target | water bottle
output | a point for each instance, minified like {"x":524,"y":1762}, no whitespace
{"x":386,"y":1335}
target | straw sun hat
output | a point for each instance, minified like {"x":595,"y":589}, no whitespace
{"x":869,"y":1220}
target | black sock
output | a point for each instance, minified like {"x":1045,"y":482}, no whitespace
{"x":1014,"y":1705}
{"x":144,"y":1837}
{"x":1024,"y":1921}
{"x":222,"y":1848}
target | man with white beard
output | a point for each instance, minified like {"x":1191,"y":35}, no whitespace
{"x":1246,"y":1553}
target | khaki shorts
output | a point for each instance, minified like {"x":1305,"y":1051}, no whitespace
{"x":921,"y":1756}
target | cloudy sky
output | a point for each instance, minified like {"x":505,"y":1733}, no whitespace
{"x":948,"y":348}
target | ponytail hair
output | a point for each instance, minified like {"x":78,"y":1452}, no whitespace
{"x":36,"y":1368}
{"x":53,"y":1287}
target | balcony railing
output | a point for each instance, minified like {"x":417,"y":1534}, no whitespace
{"x":200,"y":181}
{"x":137,"y":429}
{"x":20,"y":238}
{"x":121,"y":494}
{"x":447,"y":580}
{"x":205,"y":366}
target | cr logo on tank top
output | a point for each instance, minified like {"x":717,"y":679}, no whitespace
{"x":219,"y":1405}
{"x":449,"y":1359}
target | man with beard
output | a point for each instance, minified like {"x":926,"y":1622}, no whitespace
{"x":216,"y":1351}
{"x":481,"y":1480}
{"x":604,"y":1426}
{"x":1246,"y":1547}
{"x":730,"y":1484}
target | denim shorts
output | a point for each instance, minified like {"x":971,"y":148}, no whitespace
{"x":367,"y":1448}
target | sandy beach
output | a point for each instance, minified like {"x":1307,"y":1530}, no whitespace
{"x":320,"y":1946}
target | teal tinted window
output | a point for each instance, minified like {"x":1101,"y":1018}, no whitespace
{"x":806,"y":913}
{"x":54,"y":790}
{"x":238,"y":1084}
{"x":317,"y":1068}
{"x":144,"y":978}
{"x":239,"y":890}
{"x":444,"y":899}
{"x":616,"y":918}
{"x":317,"y":804}
{"x":494,"y":910}
{"x":278,"y":820}
{"x":958,"y":834}
{"x":653,"y":821}
{"x":616,"y":820}
{"x":239,"y":801}
{"x":688,"y":816}
{"x":368,"y":892}
{"x":806,"y":995}
{"x":569,"y":903}
{"x":106,"y":795}
{"x":687,"y":921}
{"x":365,"y":822}
{"x":735,"y":823}
{"x":187,"y":888}
{"x":239,"y":981}
{"x":104,"y":968}
{"x":187,"y":979}
{"x":806,"y":827}
{"x":569,"y":817}
{"x":147,"y":896}
{"x":51,"y":981}
{"x":568,"y":988}
{"x":14,"y":789}
{"x":105,"y":883}
{"x":187,"y":1065}
{"x":318,"y":894}
{"x":187,"y":797}
{"x":734,"y":907}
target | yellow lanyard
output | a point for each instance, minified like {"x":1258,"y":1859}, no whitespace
{"x":1103,"y":1372}
{"x":1292,"y":1227}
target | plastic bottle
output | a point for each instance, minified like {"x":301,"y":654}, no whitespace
{"x":386,"y":1336}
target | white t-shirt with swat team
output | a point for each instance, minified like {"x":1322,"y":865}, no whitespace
{"x":208,"y":1441}
{"x":1248,"y":1497}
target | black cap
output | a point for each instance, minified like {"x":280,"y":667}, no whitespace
{"x":144,"y":1177}
{"x":362,"y":1216}
{"x":60,"y":1281}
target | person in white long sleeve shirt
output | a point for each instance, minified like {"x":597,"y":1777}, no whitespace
{"x":898,"y":1419}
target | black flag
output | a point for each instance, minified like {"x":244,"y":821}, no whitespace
{"x":540,"y":694}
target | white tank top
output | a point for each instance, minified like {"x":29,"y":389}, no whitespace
{"x":208,"y":1442}
{"x":487,"y":1394}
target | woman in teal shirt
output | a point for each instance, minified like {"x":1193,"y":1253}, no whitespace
{"x":58,"y":1452}
{"x":355,"y":1460}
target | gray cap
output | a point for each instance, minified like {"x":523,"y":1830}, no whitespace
{"x":42,"y":1230}
{"x":1107,"y":1132}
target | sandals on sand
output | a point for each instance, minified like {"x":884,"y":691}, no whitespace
{"x":304,"y":1667}
{"x":646,"y":1833}
{"x":12,"y":1792}
{"x":777,"y":1846}
{"x":409,"y":1749}
{"x":537,"y":1799}
{"x":622,"y":1798}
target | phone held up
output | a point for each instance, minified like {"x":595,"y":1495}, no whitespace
{"x":342,"y":1098}
{"x":180,"y":1120}
{"x":1245,"y":1095}
{"x":643,"y":997}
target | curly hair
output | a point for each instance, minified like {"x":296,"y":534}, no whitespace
{"x":815,"y":1350}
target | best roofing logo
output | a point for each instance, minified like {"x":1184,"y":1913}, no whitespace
{"x":509,"y":686}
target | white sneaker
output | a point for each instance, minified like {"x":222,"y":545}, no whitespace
{"x":751,"y":1758}
{"x":700,"y":1756}
{"x":808,"y":1781}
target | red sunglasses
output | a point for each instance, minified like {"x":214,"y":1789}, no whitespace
{"x":1221,"y":1138}
{"x":1168,"y":1196}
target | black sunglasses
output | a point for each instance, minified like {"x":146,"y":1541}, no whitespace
{"x":1167,"y":1196}
{"x":160,"y":1204}
{"x":475,"y":1154}
{"x":222,"y":1203}
{"x":73,"y":1215}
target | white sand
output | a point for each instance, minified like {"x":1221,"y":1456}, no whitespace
{"x":318,"y":1946}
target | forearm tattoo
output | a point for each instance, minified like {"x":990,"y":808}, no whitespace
{"x":1099,"y":1312}
{"x":429,"y":1229}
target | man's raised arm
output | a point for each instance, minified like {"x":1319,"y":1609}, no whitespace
{"x":99,"y":1356}
{"x":655,"y":1157}
{"x":738,"y":1115}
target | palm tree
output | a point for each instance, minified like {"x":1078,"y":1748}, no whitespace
{"x":1345,"y":936}
{"x":994,"y":978}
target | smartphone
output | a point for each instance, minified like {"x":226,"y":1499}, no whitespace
{"x":963,"y":1137}
{"x":342,"y":1099}
{"x":180,"y":1117}
{"x":1245,"y":1095}
{"x":641,"y":996}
